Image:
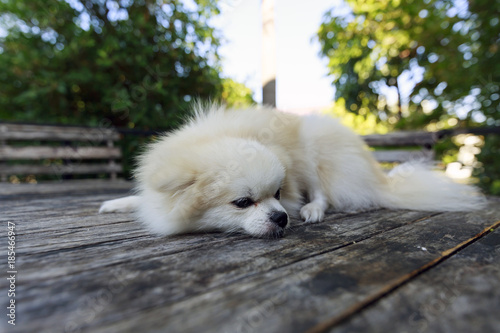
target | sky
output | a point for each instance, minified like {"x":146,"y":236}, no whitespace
{"x":302,"y":81}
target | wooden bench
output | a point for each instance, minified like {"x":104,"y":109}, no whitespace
{"x":399,"y":147}
{"x":58,"y":150}
{"x":65,"y":150}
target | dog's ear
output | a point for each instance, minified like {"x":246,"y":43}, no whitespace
{"x":172,"y":179}
{"x":177,"y":185}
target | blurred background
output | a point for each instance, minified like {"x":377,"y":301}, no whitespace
{"x":381,"y":66}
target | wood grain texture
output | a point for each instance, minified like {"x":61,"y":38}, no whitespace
{"x":11,"y":192}
{"x":74,"y":153}
{"x":84,"y":272}
{"x":25,"y":132}
{"x":461,"y":294}
{"x":399,"y":156}
{"x":74,"y":144}
{"x":71,"y":168}
{"x":406,"y":138}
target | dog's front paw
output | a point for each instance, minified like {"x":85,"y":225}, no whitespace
{"x":312,"y":212}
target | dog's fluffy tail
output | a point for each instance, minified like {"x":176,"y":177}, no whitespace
{"x":414,"y":186}
{"x":121,"y":205}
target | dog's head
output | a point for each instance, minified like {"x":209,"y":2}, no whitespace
{"x":227,"y":184}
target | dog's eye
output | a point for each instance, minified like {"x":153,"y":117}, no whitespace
{"x":277,"y":196}
{"x":243,"y":202}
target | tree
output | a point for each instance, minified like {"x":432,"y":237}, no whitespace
{"x":123,"y":63}
{"x":236,"y":95}
{"x":419,"y":64}
{"x":268,"y":53}
{"x":135,"y":63}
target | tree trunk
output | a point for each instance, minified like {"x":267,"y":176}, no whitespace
{"x":268,"y":54}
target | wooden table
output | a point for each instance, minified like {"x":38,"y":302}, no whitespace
{"x":377,"y":271}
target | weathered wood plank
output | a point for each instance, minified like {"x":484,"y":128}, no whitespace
{"x":219,"y":288}
{"x":399,"y":156}
{"x":42,"y":208}
{"x":460,"y":295}
{"x":78,"y":237}
{"x":79,"y":271}
{"x":76,"y":153}
{"x":38,"y":225}
{"x":49,"y":216}
{"x":62,"y":212}
{"x":295,"y":297}
{"x":45,"y":209}
{"x":355,"y":228}
{"x":71,"y":168}
{"x":56,"y":133}
{"x":69,"y":187}
{"x":406,"y":138}
{"x":90,"y":139}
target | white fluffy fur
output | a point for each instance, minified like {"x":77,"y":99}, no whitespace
{"x":188,"y":179}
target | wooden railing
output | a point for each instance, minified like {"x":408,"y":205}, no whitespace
{"x":58,"y":150}
{"x":404,"y":146}
{"x":85,"y":150}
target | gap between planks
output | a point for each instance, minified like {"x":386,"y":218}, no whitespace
{"x":346,"y":244}
{"x":390,"y":288}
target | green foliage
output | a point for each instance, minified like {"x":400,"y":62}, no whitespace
{"x":136,"y":63}
{"x":128,"y":63}
{"x":487,"y":173}
{"x":418,"y":64}
{"x":236,"y":95}
{"x":362,"y":123}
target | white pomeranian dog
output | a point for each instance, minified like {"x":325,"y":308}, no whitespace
{"x":249,"y":170}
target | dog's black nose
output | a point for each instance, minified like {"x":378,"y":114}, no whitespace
{"x":280,"y":218}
